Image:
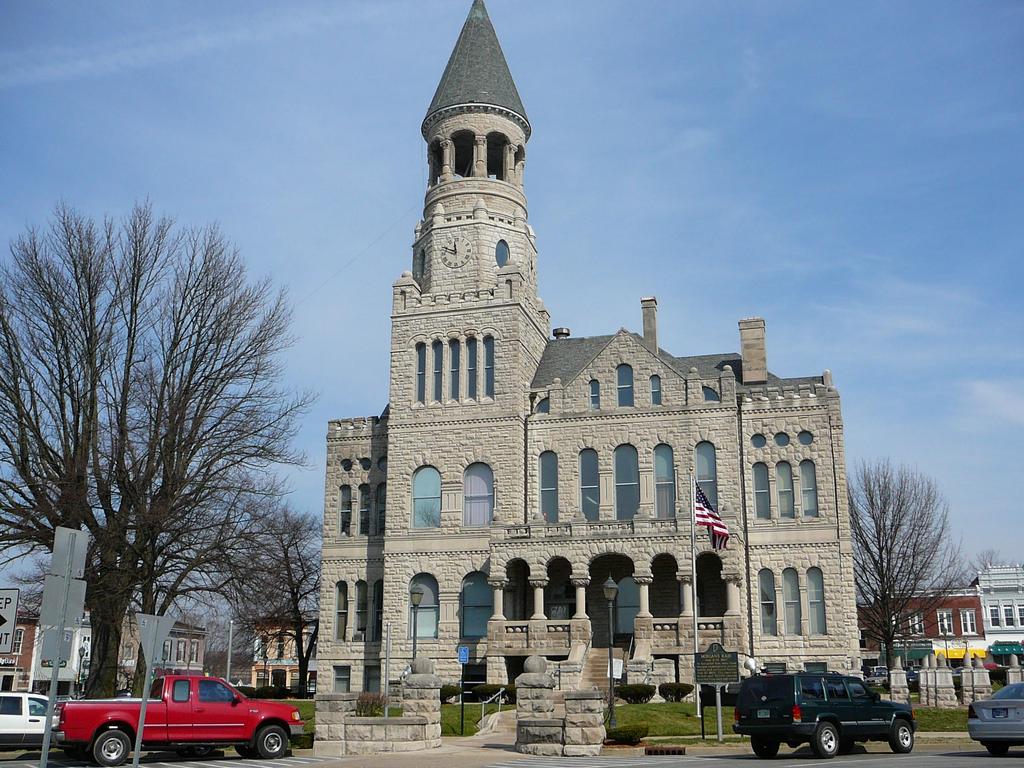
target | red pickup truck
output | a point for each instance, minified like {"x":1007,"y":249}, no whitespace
{"x":189,"y":714}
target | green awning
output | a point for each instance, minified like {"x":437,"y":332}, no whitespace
{"x":1004,"y":649}
{"x":916,"y":654}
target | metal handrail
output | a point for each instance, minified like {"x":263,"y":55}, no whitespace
{"x":485,"y":702}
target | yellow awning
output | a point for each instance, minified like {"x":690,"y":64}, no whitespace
{"x":958,"y":653}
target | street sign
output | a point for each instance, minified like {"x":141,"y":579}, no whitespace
{"x":56,"y":640}
{"x":716,"y":666}
{"x":69,"y":548}
{"x":463,"y":654}
{"x":8,"y":619}
{"x":53,"y":613}
{"x":153,"y":630}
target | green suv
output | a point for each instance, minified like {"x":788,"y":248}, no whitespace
{"x":828,"y":711}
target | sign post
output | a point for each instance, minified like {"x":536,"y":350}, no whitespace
{"x":716,"y":666}
{"x":387,"y":669}
{"x":8,"y":619}
{"x":463,"y":661}
{"x":153,"y":630}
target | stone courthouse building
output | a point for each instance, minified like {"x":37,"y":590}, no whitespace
{"x":515,"y":467}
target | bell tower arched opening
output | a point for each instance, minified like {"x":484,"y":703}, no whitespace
{"x":498,"y":156}
{"x":463,"y":143}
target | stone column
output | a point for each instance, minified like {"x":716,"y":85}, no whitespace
{"x":421,"y":695}
{"x":1015,"y":673}
{"x":945,"y":692}
{"x":480,"y":157}
{"x":463,"y":380}
{"x":732,"y":595}
{"x":644,"y":583}
{"x":447,"y":159}
{"x":509,"y":163}
{"x":538,"y":599}
{"x":584,"y":723}
{"x":538,"y":732}
{"x":979,"y":685}
{"x":331,"y":711}
{"x":581,"y":597}
{"x":686,"y":589}
{"x":925,"y":680}
{"x":499,"y":600}
{"x":898,"y":688}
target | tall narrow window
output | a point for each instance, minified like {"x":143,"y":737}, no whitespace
{"x":345,"y":513}
{"x":477,"y":495}
{"x":655,"y":390}
{"x":706,"y":465}
{"x":438,"y":350}
{"x":382,"y":509}
{"x":543,"y":405}
{"x":816,"y":601}
{"x":784,"y":489}
{"x":590,"y":484}
{"x":627,"y":482}
{"x":489,"y":366}
{"x":426,"y":498}
{"x":595,"y":395}
{"x":501,"y":253}
{"x":421,"y":372}
{"x":549,"y":486}
{"x":364,"y":509}
{"x":624,"y":385}
{"x":471,"y":368}
{"x":361,"y":607}
{"x":428,"y":612}
{"x":762,"y":496}
{"x":766,"y":589}
{"x":791,"y":596}
{"x":808,"y":488}
{"x":664,"y":481}
{"x":454,"y":353}
{"x":340,"y":610}
{"x":476,"y":604}
{"x":378,"y":609}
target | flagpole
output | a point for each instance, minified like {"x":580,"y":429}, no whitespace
{"x":693,"y":587}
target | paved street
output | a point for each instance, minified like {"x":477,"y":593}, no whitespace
{"x":165,"y":760}
{"x":919,"y":759}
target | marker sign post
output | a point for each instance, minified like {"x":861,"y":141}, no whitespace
{"x":63,"y":599}
{"x":718,"y":667}
{"x":8,"y":619}
{"x":153,"y":630}
{"x":463,"y":661}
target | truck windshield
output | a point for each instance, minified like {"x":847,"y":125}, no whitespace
{"x":157,"y":688}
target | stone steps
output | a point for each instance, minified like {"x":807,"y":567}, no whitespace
{"x":595,"y":668}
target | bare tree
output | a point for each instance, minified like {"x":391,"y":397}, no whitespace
{"x":905,"y":557}
{"x":984,"y":559}
{"x":140,"y":399}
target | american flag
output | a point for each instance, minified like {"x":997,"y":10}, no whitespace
{"x":704,"y":514}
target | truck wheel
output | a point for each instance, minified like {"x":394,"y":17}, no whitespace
{"x":271,"y":742}
{"x":825,"y":741}
{"x":996,"y":748}
{"x":901,"y":738}
{"x":764,"y":747}
{"x":111,"y":748}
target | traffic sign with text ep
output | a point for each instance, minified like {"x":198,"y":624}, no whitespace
{"x":8,"y":618}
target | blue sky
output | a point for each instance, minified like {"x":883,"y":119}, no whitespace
{"x":854,"y":173}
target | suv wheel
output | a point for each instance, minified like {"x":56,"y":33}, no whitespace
{"x":271,"y":742}
{"x":825,"y":742}
{"x":111,"y":748}
{"x":996,"y":748}
{"x":764,"y":747}
{"x":901,"y":738}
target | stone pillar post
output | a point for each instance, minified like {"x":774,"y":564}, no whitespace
{"x":480,"y":157}
{"x":538,"y":732}
{"x":331,"y":711}
{"x":1015,"y":673}
{"x":898,"y":688}
{"x":925,"y":680}
{"x":945,"y":692}
{"x":581,"y":598}
{"x":538,"y":599}
{"x":732,"y":595}
{"x":499,"y":600}
{"x":584,"y":723}
{"x":685,"y":585}
{"x":644,"y":584}
{"x":976,"y":683}
{"x":447,"y":159}
{"x":421,"y":695}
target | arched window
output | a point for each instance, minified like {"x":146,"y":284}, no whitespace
{"x":627,"y":482}
{"x":345,"y":512}
{"x":816,"y":601}
{"x":340,"y":610}
{"x":382,"y":508}
{"x":706,"y":465}
{"x":762,"y":496}
{"x":421,"y":372}
{"x":501,"y":253}
{"x":590,"y":484}
{"x":419,"y":259}
{"x":361,"y":607}
{"x":595,"y":395}
{"x":426,"y":498}
{"x":766,"y":588}
{"x":438,"y":352}
{"x":808,"y":488}
{"x":471,"y":368}
{"x":784,"y":489}
{"x":429,"y":611}
{"x":627,"y":605}
{"x":489,"y":366}
{"x":710,"y":395}
{"x":664,"y":481}
{"x":477,"y":495}
{"x":543,"y":405}
{"x":791,"y":598}
{"x":549,"y":486}
{"x":435,"y":159}
{"x":476,"y":605}
{"x":463,"y":144}
{"x":364,"y":509}
{"x":497,"y":149}
{"x":624,"y":384}
{"x":655,"y":390}
{"x":454,"y":353}
{"x":378,"y":609}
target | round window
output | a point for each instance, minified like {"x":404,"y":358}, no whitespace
{"x":501,"y":253}
{"x":346,"y":464}
{"x":781,"y":439}
{"x":365,"y":464}
{"x":758,"y":441}
{"x":805,"y":438}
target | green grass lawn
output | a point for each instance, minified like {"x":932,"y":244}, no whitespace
{"x":671,"y":718}
{"x":450,"y":718}
{"x":940,"y":719}
{"x":306,"y":711}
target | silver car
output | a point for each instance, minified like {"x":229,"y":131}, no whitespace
{"x":998,"y":723}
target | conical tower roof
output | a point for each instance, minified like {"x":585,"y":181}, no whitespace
{"x":477,"y":72}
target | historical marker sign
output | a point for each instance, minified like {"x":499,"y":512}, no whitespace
{"x":8,"y":619}
{"x":717,"y":666}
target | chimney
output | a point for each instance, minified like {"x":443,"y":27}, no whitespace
{"x":755,"y":360}
{"x":561,"y":333}
{"x":649,"y":305}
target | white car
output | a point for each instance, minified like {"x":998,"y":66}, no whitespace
{"x":22,"y":719}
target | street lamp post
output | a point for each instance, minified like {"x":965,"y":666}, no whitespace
{"x":611,"y":589}
{"x":415,"y":597}
{"x":81,"y":667}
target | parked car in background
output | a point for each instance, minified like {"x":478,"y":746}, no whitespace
{"x":998,"y":722}
{"x":22,"y":719}
{"x":877,"y":675}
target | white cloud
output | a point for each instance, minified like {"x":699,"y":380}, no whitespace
{"x":994,"y":400}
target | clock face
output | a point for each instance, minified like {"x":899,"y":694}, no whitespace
{"x":456,"y":250}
